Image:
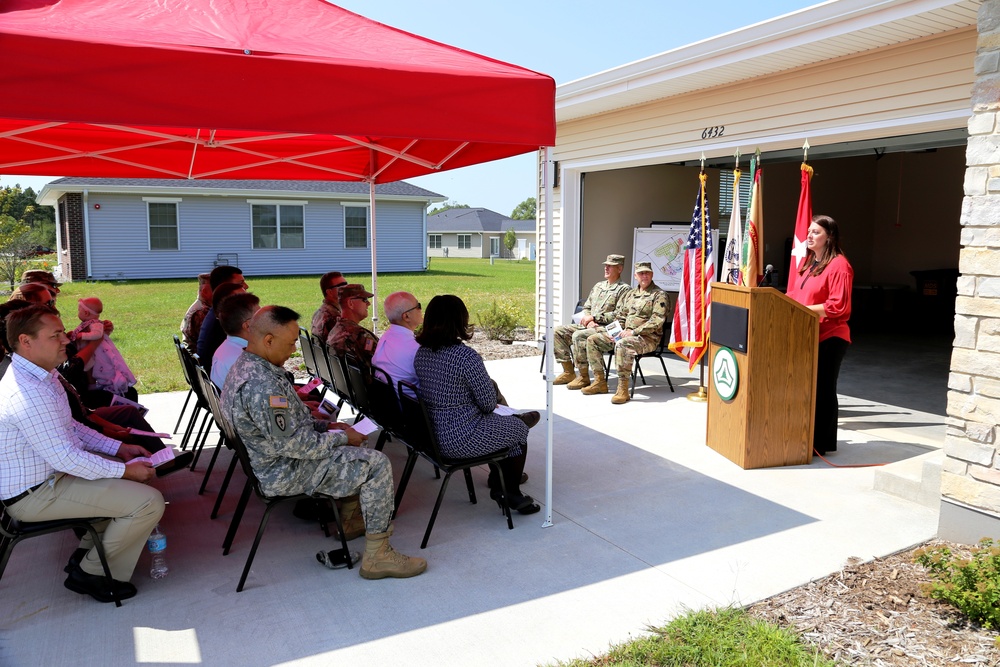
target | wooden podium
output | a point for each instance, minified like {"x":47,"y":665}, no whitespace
{"x":769,"y":420}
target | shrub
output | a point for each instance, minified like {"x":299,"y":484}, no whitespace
{"x":970,"y":584}
{"x":500,"y":319}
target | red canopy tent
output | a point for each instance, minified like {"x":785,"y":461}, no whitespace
{"x":256,"y":89}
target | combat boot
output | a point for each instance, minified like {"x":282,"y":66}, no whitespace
{"x":583,"y":380}
{"x":621,"y":396}
{"x":352,"y":519}
{"x":381,"y":560}
{"x":599,"y":386}
{"x":568,"y":374}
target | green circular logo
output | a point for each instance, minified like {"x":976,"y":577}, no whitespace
{"x":725,"y":373}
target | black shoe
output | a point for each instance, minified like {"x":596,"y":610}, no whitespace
{"x":179,"y":462}
{"x":529,"y":418}
{"x":336,"y":559}
{"x":524,"y":478}
{"x":520,"y":504}
{"x":75,"y":560}
{"x":98,"y":587}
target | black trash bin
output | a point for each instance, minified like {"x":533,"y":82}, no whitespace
{"x":935,"y":303}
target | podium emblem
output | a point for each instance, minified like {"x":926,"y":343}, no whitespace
{"x":725,"y":373}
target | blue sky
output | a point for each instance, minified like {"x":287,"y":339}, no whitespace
{"x":566,"y":40}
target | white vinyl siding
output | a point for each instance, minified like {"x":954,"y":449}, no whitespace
{"x":161,"y":217}
{"x":355,"y":226}
{"x":277,"y":226}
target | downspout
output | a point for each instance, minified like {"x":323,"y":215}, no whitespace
{"x":86,"y":229}
{"x":423,"y":217}
{"x":58,"y":237}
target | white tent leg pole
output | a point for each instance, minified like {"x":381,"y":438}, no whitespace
{"x":375,"y":302}
{"x":549,"y":354}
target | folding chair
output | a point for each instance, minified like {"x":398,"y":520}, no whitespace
{"x":333,"y":372}
{"x":211,"y":393}
{"x":270,"y":502}
{"x":358,"y":379}
{"x":541,"y":364}
{"x":423,"y":443}
{"x":13,"y":531}
{"x":309,"y":358}
{"x":657,"y":353}
{"x":182,"y":351}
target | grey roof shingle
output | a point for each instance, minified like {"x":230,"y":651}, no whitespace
{"x":475,"y":220}
{"x":398,"y":188}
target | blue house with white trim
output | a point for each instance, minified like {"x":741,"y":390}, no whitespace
{"x":113,"y":228}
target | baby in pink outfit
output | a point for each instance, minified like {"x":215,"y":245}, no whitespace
{"x":107,"y":368}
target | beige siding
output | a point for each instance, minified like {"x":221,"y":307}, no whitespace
{"x":927,"y":76}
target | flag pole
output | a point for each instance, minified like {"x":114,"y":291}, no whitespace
{"x":701,"y":395}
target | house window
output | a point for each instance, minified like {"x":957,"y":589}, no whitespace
{"x":275,"y":226}
{"x":433,"y":240}
{"x":464,"y":241}
{"x":726,"y":193}
{"x":495,"y":246}
{"x":162,"y":218}
{"x":355,"y":226}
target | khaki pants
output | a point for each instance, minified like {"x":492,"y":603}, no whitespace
{"x":133,"y":508}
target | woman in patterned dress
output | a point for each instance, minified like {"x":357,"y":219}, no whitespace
{"x":461,"y":397}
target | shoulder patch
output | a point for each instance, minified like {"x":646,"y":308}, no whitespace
{"x":278,"y":402}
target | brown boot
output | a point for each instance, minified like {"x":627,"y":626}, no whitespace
{"x":568,"y":374}
{"x":621,"y":396}
{"x":599,"y":386}
{"x":381,"y":560}
{"x":352,"y":518}
{"x":583,"y":380}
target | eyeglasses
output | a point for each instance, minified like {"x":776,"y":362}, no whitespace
{"x":416,"y":307}
{"x":361,"y":298}
{"x":337,"y":286}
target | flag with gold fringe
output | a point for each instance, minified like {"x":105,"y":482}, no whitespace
{"x":802,"y":221}
{"x":751,"y":268}
{"x":734,"y":241}
{"x":692,"y":317}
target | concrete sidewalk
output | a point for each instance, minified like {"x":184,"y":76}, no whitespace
{"x":648,"y":521}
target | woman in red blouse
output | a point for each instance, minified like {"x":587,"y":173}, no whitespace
{"x":823,"y":284}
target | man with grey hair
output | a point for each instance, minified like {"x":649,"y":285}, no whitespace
{"x":293,"y":453}
{"x":398,"y":345}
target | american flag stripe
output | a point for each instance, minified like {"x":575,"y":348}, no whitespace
{"x":692,"y":318}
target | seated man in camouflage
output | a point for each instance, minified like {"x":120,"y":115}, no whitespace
{"x":326,"y":316}
{"x":349,"y":337}
{"x":195,"y":315}
{"x":644,"y":312}
{"x":293,"y":453}
{"x":598,"y":311}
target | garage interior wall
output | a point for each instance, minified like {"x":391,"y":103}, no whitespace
{"x":898,"y":212}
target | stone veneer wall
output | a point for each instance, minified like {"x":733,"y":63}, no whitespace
{"x":73,"y":262}
{"x":970,"y":480}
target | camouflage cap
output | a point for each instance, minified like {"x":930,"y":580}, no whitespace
{"x":643,"y":266}
{"x":353,"y":291}
{"x":615,"y":260}
{"x":37,"y":276}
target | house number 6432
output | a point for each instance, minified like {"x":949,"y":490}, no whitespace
{"x":713,"y":132}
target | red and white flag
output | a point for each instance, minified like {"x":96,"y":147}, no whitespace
{"x":802,"y":221}
{"x":751,"y":265}
{"x":692,"y":317}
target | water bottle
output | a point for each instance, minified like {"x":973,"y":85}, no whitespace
{"x":157,"y":545}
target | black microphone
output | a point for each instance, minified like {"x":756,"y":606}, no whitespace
{"x":768,"y":270}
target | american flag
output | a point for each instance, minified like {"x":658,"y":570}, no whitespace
{"x":692,"y":317}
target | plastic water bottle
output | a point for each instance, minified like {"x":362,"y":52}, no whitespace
{"x":157,"y":545}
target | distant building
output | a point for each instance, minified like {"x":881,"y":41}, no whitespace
{"x":478,"y":232}
{"x":112,"y":228}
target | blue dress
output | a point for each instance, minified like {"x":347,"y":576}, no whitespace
{"x":460,"y":398}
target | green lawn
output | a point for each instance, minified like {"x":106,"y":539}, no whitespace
{"x":147,"y":313}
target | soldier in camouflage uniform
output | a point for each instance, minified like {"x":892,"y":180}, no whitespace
{"x":598,"y":311}
{"x":326,"y":316}
{"x":349,"y":337}
{"x":643,"y":313}
{"x":195,"y":315}
{"x":293,"y":453}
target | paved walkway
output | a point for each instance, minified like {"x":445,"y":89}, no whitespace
{"x":648,"y":521}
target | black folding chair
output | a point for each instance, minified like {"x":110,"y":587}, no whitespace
{"x":657,"y":353}
{"x":13,"y":531}
{"x":423,"y":443}
{"x":333,"y":367}
{"x":358,"y":378}
{"x":270,"y":502}
{"x":211,"y":393}
{"x":184,"y":356}
{"x":309,"y":358}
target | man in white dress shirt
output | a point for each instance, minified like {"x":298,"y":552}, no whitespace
{"x":52,"y":467}
{"x":397,"y":346}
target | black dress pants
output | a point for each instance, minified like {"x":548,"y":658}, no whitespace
{"x":831,"y":354}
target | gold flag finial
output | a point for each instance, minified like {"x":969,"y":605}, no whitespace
{"x":703,"y":160}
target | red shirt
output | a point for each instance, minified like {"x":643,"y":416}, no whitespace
{"x":832,"y":288}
